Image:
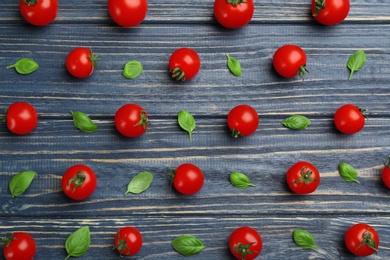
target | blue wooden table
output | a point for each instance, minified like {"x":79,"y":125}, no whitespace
{"x":160,"y":213}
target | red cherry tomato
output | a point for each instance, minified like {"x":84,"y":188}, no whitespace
{"x":188,"y":178}
{"x":330,"y":12}
{"x":38,"y":12}
{"x":242,"y":120}
{"x":303,"y":178}
{"x":79,"y":182}
{"x":131,"y":120}
{"x":20,"y":246}
{"x":245,"y":243}
{"x":128,"y":13}
{"x":128,"y":241}
{"x":361,"y":239}
{"x":233,"y":14}
{"x":21,"y":118}
{"x":386,"y":174}
{"x":81,"y":62}
{"x":349,"y":119}
{"x":184,"y":64}
{"x":290,"y":61}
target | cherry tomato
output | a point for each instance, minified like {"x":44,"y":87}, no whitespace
{"x":21,"y":118}
{"x":361,"y":239}
{"x":128,"y":13}
{"x":188,"y":178}
{"x":39,"y":12}
{"x":349,"y":119}
{"x":245,"y":243}
{"x":81,"y":62}
{"x":386,"y":174}
{"x":242,"y":120}
{"x":330,"y":12}
{"x":290,"y":61}
{"x":184,"y":64}
{"x":234,"y":13}
{"x":19,"y":246}
{"x":128,"y":241}
{"x":303,"y":178}
{"x":131,"y":120}
{"x":79,"y":182}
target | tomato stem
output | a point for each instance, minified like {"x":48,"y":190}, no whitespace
{"x":178,"y":74}
{"x":368,"y":241}
{"x":306,"y":176}
{"x":78,"y":180}
{"x":244,"y":249}
{"x":302,"y":72}
{"x":236,"y":2}
{"x":7,"y":240}
{"x":144,"y":121}
{"x":30,"y":2}
{"x":94,"y":59}
{"x":235,"y":133}
{"x":320,"y":4}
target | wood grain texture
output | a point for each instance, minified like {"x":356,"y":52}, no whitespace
{"x":161,"y":213}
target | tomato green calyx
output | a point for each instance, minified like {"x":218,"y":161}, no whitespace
{"x":7,"y":240}
{"x":363,"y":111}
{"x":78,"y":180}
{"x":235,"y":133}
{"x":30,"y":2}
{"x":236,"y":2}
{"x":122,"y":244}
{"x":305,"y":176}
{"x":144,"y":120}
{"x":320,"y":4}
{"x":302,"y":72}
{"x":243,"y":249}
{"x":178,"y":74}
{"x":368,"y":241}
{"x":94,"y":59}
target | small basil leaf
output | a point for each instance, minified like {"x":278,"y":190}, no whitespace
{"x":356,"y":61}
{"x":132,"y":69}
{"x":186,"y":122}
{"x":78,"y":242}
{"x":234,"y":66}
{"x":83,"y":122}
{"x":20,"y":182}
{"x":187,"y":245}
{"x":140,"y":183}
{"x":347,"y":172}
{"x":240,"y":180}
{"x":304,"y":239}
{"x":296,"y":122}
{"x":24,"y":66}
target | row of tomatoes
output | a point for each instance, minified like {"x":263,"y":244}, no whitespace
{"x":229,"y":13}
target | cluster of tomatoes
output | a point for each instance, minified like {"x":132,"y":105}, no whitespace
{"x":131,"y":120}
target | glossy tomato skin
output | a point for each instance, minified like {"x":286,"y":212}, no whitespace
{"x":334,"y":11}
{"x":361,"y":239}
{"x":21,"y":118}
{"x":79,"y":182}
{"x":233,"y":16}
{"x":243,"y":120}
{"x":184,"y":64}
{"x":303,"y":178}
{"x":349,"y":119}
{"x":20,"y":246}
{"x":243,"y":239}
{"x":131,"y":120}
{"x":290,"y":61}
{"x":188,"y":179}
{"x":128,"y":241}
{"x":39,"y":12}
{"x":386,"y":174}
{"x":81,"y":62}
{"x":128,"y":13}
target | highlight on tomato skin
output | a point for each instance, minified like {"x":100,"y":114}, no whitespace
{"x":39,"y":12}
{"x":188,"y":178}
{"x":19,"y":246}
{"x":290,"y":61}
{"x":127,"y":13}
{"x":361,"y":239}
{"x":242,"y":120}
{"x":233,"y":14}
{"x":349,"y":119}
{"x":184,"y":64}
{"x":21,"y":118}
{"x":79,"y":182}
{"x":330,"y":12}
{"x":303,"y":178}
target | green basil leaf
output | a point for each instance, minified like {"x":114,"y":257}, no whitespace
{"x":304,"y":239}
{"x":240,"y":180}
{"x":186,"y":122}
{"x":187,"y":245}
{"x":24,"y":66}
{"x":140,"y":183}
{"x":296,"y":122}
{"x":347,"y":172}
{"x":83,"y":122}
{"x":356,"y":61}
{"x":78,"y":242}
{"x":132,"y":69}
{"x":20,"y":182}
{"x":234,"y":66}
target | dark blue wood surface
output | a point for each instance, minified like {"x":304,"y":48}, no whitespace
{"x":160,"y":213}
